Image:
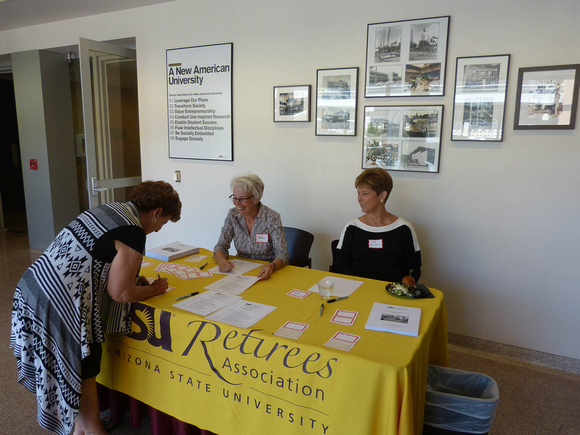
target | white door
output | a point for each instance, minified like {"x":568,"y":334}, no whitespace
{"x":111,"y":120}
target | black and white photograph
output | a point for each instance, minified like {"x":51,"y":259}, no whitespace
{"x":386,"y":79}
{"x":479,"y":101}
{"x":336,"y":101}
{"x":292,"y":103}
{"x":547,"y":97}
{"x":424,"y":41}
{"x":402,"y":138}
{"x":406,"y":58}
{"x":388,"y":317}
{"x":388,"y":44}
{"x":482,"y":77}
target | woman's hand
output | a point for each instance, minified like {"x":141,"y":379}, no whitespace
{"x":266,"y":271}
{"x":224,"y":264}
{"x":122,"y":285}
{"x":142,"y":281}
{"x":159,"y":286}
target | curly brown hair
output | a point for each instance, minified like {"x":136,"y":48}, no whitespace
{"x":150,"y":195}
{"x":377,"y":179}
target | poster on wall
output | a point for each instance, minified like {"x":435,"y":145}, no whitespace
{"x":199,"y":102}
{"x":407,"y":58}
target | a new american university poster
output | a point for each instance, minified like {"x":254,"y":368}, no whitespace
{"x":199,"y":102}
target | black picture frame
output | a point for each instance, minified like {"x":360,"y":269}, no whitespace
{"x":407,"y":58}
{"x":403,"y":138}
{"x":336,"y":101}
{"x":479,"y":99}
{"x":292,"y":103}
{"x":547,"y":97}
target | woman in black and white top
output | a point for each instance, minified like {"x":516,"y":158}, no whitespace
{"x":378,"y":245}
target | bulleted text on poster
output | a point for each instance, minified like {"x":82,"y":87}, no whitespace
{"x":199,"y":99}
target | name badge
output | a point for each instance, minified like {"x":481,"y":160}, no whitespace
{"x":376,"y":243}
{"x":262,"y":238}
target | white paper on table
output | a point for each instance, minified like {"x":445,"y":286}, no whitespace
{"x":242,"y":314}
{"x":291,"y":330}
{"x":242,"y":266}
{"x":233,"y":284}
{"x":300,"y":294}
{"x":167,"y":290}
{"x":207,"y":302}
{"x":196,"y":258}
{"x":344,"y":317}
{"x":342,"y":286}
{"x":342,"y":341}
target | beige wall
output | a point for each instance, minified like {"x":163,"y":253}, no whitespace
{"x":497,"y":226}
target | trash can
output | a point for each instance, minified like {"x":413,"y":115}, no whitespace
{"x":458,"y":401}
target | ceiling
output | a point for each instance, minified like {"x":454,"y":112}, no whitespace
{"x":24,"y":13}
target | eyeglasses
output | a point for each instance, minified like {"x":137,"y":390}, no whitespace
{"x":241,"y":200}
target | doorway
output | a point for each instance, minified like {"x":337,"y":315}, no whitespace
{"x":120,"y":119}
{"x":12,"y":205}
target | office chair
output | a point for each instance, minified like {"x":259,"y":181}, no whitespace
{"x":299,"y":243}
{"x":333,"y":246}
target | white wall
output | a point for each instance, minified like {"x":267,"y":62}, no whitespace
{"x":497,"y":226}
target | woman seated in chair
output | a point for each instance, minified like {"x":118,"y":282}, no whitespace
{"x":256,"y":230}
{"x":378,"y":245}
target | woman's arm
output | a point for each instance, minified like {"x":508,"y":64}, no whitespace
{"x":221,"y":249}
{"x":343,"y":260}
{"x":123,"y":285}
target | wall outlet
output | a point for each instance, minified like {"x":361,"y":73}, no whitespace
{"x":177,"y":176}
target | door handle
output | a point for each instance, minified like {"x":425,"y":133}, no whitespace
{"x":95,"y":188}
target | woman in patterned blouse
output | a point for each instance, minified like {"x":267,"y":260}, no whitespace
{"x":255,"y":229}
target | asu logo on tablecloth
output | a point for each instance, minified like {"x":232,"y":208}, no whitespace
{"x":151,"y":325}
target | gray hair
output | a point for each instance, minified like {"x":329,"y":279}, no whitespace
{"x":250,"y":183}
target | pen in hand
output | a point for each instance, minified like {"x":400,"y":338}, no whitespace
{"x":187,"y":296}
{"x":321,"y":310}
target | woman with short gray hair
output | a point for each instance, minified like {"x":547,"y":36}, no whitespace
{"x":255,"y":229}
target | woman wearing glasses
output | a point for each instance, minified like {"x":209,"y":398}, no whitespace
{"x":256,"y":230}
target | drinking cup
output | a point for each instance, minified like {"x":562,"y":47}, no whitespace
{"x":325,"y":288}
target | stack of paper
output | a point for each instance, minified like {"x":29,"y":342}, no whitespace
{"x":394,"y":318}
{"x":171,"y":251}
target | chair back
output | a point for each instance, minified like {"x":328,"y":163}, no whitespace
{"x":333,"y":246}
{"x":299,"y":243}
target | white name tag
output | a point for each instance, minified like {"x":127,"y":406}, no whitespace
{"x":376,"y":243}
{"x":262,"y":238}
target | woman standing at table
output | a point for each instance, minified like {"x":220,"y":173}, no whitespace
{"x":255,"y":229}
{"x":378,"y":245}
{"x":77,"y":292}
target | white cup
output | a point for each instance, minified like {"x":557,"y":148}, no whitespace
{"x":325,"y":288}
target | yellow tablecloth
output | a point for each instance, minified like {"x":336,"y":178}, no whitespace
{"x":237,"y":381}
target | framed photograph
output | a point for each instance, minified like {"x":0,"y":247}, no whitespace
{"x":292,"y":103}
{"x":547,"y":98}
{"x":336,"y":101}
{"x":407,"y":58}
{"x":402,"y":138}
{"x":479,"y":101}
